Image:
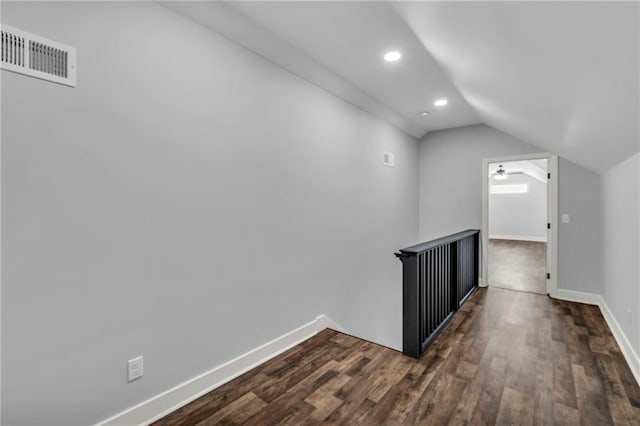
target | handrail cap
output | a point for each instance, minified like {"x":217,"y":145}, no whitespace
{"x":422,"y":247}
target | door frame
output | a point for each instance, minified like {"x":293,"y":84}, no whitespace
{"x":552,"y":216}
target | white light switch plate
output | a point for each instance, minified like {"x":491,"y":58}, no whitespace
{"x":135,"y":368}
{"x":566,"y":218}
{"x":388,"y":159}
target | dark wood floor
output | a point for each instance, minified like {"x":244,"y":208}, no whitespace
{"x":518,"y":265}
{"x":507,"y":358}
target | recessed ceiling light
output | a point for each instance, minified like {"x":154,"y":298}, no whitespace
{"x":440,"y":102}
{"x":425,"y":113}
{"x":392,"y":56}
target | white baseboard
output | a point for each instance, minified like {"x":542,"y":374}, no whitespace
{"x":578,"y":296}
{"x":627,"y":349}
{"x":170,"y":400}
{"x":518,"y":238}
{"x":625,"y":346}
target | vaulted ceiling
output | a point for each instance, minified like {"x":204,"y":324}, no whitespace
{"x":563,"y":76}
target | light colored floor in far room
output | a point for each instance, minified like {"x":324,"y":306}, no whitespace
{"x":518,"y":265}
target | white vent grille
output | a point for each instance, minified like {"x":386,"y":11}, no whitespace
{"x":37,"y":56}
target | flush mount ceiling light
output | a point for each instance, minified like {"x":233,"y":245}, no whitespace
{"x":440,"y":102}
{"x":392,"y":56}
{"x":424,"y":113}
{"x":501,"y":174}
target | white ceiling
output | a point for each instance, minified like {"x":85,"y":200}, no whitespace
{"x":350,"y":39}
{"x":537,"y":169}
{"x":560,"y":75}
{"x":563,"y":76}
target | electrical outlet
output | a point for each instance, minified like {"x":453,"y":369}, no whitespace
{"x":135,"y":368}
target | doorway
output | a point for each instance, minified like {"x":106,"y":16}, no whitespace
{"x":519,"y":216}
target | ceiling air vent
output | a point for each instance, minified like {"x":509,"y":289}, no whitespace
{"x":37,"y":56}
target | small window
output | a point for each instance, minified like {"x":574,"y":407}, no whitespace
{"x":510,"y":189}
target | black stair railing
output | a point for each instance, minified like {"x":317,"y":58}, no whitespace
{"x":438,"y":276}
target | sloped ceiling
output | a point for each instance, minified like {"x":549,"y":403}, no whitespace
{"x":563,"y":76}
{"x":536,"y":169}
{"x":339,"y":46}
{"x":350,"y":39}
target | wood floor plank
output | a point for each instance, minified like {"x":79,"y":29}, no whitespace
{"x":563,"y":415}
{"x":631,"y":389}
{"x":288,"y":401}
{"x":324,"y":401}
{"x":355,"y":391}
{"x":413,"y":387}
{"x":516,"y":408}
{"x":271,"y":389}
{"x":543,"y":394}
{"x":297,"y":415}
{"x":486,"y":410}
{"x":506,"y":358}
{"x":242,"y":408}
{"x":467,"y":405}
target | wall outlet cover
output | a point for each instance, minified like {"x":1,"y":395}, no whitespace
{"x":388,"y":159}
{"x":135,"y":368}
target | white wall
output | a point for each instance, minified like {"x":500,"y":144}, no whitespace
{"x":580,"y":249}
{"x":454,"y":203}
{"x":519,"y":215}
{"x":621,"y":190}
{"x":188,"y":201}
